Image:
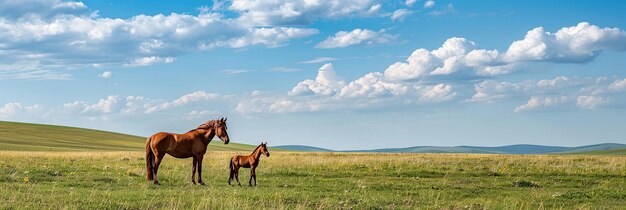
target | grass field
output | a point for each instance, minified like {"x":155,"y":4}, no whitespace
{"x":88,"y":180}
{"x":38,"y":137}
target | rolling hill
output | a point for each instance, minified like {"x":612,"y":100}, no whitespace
{"x":38,"y":137}
{"x":607,"y":148}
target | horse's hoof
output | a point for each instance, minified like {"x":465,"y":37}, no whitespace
{"x":194,"y":183}
{"x":156,"y":183}
{"x":201,"y":183}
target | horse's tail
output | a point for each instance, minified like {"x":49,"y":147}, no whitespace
{"x":149,"y":159}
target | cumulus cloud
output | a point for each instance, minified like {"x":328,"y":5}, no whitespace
{"x":357,"y":36}
{"x":328,"y":92}
{"x":437,"y":93}
{"x":65,"y":34}
{"x":326,"y":83}
{"x":589,"y":102}
{"x":576,"y":44}
{"x":456,"y":54}
{"x":106,"y":74}
{"x":300,"y":12}
{"x":15,"y":110}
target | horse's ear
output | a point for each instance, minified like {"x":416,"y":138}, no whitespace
{"x":226,"y":118}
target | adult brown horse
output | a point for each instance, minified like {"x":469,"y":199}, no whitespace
{"x":191,"y":144}
{"x":247,"y":161}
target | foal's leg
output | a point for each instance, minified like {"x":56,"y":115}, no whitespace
{"x":252,"y":176}
{"x":200,"y":169}
{"x":232,"y":173}
{"x":237,"y":175}
{"x":193,"y":170}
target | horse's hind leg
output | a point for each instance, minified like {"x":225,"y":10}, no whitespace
{"x":193,"y":170}
{"x":157,"y":163}
{"x":237,"y":175}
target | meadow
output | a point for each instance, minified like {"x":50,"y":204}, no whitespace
{"x":292,"y":180}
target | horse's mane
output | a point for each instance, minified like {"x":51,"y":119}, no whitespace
{"x":209,"y":124}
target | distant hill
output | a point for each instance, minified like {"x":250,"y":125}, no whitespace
{"x":607,"y":148}
{"x":38,"y":137}
{"x":302,"y":148}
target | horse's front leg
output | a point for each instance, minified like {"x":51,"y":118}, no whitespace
{"x":200,"y":169}
{"x":193,"y":170}
{"x":251,"y":176}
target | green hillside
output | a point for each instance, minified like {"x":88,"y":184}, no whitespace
{"x":38,"y":137}
{"x":619,"y":151}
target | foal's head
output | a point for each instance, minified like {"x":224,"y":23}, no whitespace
{"x":263,"y":148}
{"x":219,"y":127}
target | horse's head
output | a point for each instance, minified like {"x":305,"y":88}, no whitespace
{"x":220,"y":130}
{"x":264,"y":149}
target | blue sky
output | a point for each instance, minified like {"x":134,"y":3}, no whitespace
{"x":336,"y":74}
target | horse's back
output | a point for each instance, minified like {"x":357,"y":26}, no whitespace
{"x":241,"y":161}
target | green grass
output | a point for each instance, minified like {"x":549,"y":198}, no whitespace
{"x":37,"y":137}
{"x":621,"y":151}
{"x":115,"y":180}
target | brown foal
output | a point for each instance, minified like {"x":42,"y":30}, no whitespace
{"x":191,"y":144}
{"x":247,"y":161}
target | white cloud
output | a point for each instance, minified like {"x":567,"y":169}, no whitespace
{"x":590,"y":102}
{"x":12,"y":9}
{"x":319,"y":60}
{"x":146,"y":61}
{"x":106,"y":74}
{"x":410,"y":2}
{"x":326,"y":83}
{"x":619,"y":85}
{"x":429,"y":4}
{"x":576,"y":44}
{"x":183,"y":100}
{"x":16,"y":110}
{"x":372,"y":85}
{"x":58,"y":34}
{"x":30,"y":70}
{"x":10,"y":108}
{"x":449,"y":58}
{"x":541,"y":102}
{"x":400,"y":14}
{"x":202,"y":114}
{"x":299,"y":12}
{"x":357,"y":36}
{"x":437,"y":93}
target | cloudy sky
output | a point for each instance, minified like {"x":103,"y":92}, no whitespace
{"x":345,"y":74}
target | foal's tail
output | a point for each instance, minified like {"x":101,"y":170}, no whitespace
{"x":149,"y":160}
{"x":230,"y":164}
